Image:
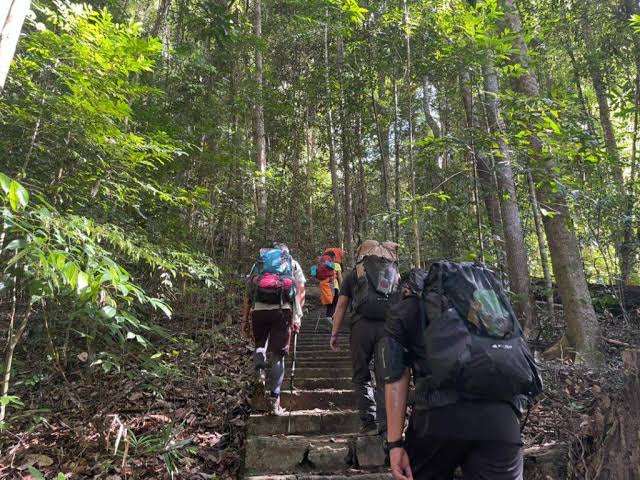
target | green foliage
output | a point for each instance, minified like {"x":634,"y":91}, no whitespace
{"x":54,"y":257}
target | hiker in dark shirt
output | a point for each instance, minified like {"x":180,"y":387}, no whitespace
{"x":482,"y":437}
{"x":367,"y":328}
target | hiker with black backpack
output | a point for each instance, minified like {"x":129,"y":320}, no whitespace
{"x":274,"y":301}
{"x":368,"y":290}
{"x":473,"y":374}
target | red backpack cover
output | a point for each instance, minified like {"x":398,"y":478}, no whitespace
{"x":325,"y":268}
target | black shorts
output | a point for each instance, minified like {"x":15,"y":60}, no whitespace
{"x":436,"y":458}
{"x":274,"y":327}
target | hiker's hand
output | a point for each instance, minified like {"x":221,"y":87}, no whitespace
{"x":295,"y":327}
{"x":400,"y":468}
{"x":334,"y":343}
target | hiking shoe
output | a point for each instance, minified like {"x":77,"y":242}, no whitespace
{"x":276,"y":408}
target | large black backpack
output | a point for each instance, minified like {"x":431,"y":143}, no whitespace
{"x":473,"y":340}
{"x":377,"y":280}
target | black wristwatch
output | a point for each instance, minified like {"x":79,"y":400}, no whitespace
{"x":397,"y":444}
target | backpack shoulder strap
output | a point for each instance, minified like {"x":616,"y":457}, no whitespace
{"x":360,"y":271}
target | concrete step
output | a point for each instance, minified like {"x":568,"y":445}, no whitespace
{"x":322,"y":454}
{"x":321,"y":356}
{"x":320,"y":343}
{"x":346,"y":476}
{"x":330,"y":399}
{"x":322,"y":383}
{"x":311,"y":363}
{"x":323,"y":351}
{"x":322,"y":372}
{"x":305,"y":422}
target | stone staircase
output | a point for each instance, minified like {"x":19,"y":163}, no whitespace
{"x":317,"y":439}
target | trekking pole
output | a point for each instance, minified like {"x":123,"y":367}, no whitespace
{"x":293,"y":363}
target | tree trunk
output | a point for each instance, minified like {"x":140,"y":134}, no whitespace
{"x":12,"y":343}
{"x":582,"y":332}
{"x":486,"y":178}
{"x":258,"y":123}
{"x":12,"y":15}
{"x":333,"y":164}
{"x":542,"y":245}
{"x":426,"y":107}
{"x":467,"y":99}
{"x":161,"y":15}
{"x":624,"y":249}
{"x":383,"y":144}
{"x":345,"y":122}
{"x":412,"y":168}
{"x":517,"y":259}
{"x":396,"y":141}
{"x":310,"y":143}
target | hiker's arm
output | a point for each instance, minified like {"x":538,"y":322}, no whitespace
{"x":338,"y":316}
{"x":395,"y":395}
{"x":339,"y":275}
{"x":301,"y":294}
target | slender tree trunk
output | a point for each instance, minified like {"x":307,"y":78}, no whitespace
{"x":396,"y":141}
{"x":362,"y":196}
{"x":517,"y":259}
{"x":333,"y":164}
{"x":582,"y":332}
{"x":12,"y":343}
{"x":12,"y":15}
{"x":412,"y":168}
{"x":472,"y":126}
{"x":625,"y":248}
{"x":383,"y":144}
{"x":345,"y":121}
{"x":310,"y":143}
{"x":426,"y":107}
{"x":542,"y":245}
{"x":258,"y":123}
{"x":161,"y":16}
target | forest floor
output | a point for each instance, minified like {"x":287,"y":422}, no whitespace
{"x":188,"y":412}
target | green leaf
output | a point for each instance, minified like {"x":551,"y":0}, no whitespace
{"x":5,"y":182}
{"x":18,"y":195}
{"x":6,"y":400}
{"x":70,"y":272}
{"x":16,"y":244}
{"x":37,"y":474}
{"x":108,"y":311}
{"x":159,"y":304}
{"x":83,"y":282}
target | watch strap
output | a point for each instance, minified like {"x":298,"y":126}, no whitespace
{"x":395,"y":444}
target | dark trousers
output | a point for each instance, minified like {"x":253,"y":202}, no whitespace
{"x":272,"y":332}
{"x":365,"y":335}
{"x":436,"y":458}
{"x":331,"y":308}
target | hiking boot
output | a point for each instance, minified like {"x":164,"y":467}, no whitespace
{"x":368,"y":430}
{"x":276,"y":408}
